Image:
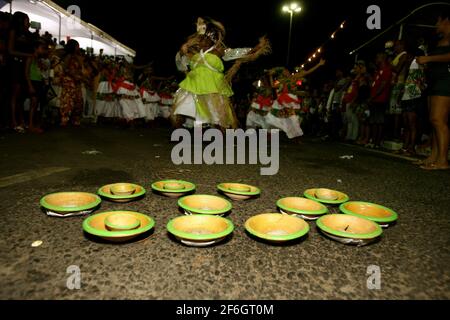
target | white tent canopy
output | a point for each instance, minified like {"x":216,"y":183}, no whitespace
{"x":62,"y":25}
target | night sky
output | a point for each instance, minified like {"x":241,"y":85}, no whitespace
{"x":156,"y":29}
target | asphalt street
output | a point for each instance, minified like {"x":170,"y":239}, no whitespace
{"x":413,"y":255}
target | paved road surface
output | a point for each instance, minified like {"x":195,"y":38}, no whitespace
{"x":413,"y":256}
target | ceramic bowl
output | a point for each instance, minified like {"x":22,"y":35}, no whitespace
{"x":349,"y":229}
{"x":304,"y":208}
{"x":239,"y":191}
{"x":173,"y":188}
{"x":338,"y":196}
{"x":200,"y":230}
{"x":122,"y":221}
{"x":204,"y":204}
{"x":68,"y":202}
{"x":326,"y":194}
{"x":107,"y":193}
{"x":374,"y":212}
{"x":122,"y":189}
{"x":275,"y":227}
{"x":95,"y":225}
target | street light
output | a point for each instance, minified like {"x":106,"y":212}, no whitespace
{"x":292,"y":9}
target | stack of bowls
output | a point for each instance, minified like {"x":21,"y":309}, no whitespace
{"x":238,"y":191}
{"x":173,"y":188}
{"x":121,"y":192}
{"x":118,"y":226}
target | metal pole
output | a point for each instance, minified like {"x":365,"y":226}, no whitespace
{"x":400,"y":34}
{"x":59,"y":31}
{"x":289,"y":41}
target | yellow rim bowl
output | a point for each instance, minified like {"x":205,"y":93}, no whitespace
{"x":122,"y":189}
{"x":173,"y":186}
{"x":121,"y":222}
{"x":326,"y":194}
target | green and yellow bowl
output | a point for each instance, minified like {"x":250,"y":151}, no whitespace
{"x":204,"y":204}
{"x":349,"y":229}
{"x":305,"y":208}
{"x":108,"y":194}
{"x":68,"y":202}
{"x":326,"y":196}
{"x":121,"y":221}
{"x":276,"y":227}
{"x":238,"y":191}
{"x":95,"y":225}
{"x":374,"y":212}
{"x":173,"y":188}
{"x":200,"y":230}
{"x":122,"y":189}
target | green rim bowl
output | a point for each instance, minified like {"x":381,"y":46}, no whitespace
{"x":371,"y":211}
{"x":105,"y":192}
{"x":95,"y":225}
{"x":204,"y":204}
{"x":311,"y":194}
{"x":65,"y":202}
{"x":297,"y":205}
{"x":200,"y":228}
{"x":276,"y":227}
{"x":357,"y":228}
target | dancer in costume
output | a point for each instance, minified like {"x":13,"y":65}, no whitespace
{"x":167,"y":91}
{"x":106,"y":103}
{"x":286,"y":109}
{"x":203,"y":97}
{"x":149,"y":95}
{"x":261,"y":105}
{"x":131,"y":106}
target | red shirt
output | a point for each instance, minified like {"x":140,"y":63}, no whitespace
{"x":382,"y":75}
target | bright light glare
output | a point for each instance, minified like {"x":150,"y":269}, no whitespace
{"x":298,"y":9}
{"x":286,"y":9}
{"x":294,"y":6}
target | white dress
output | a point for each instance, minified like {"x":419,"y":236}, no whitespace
{"x":283,"y":115}
{"x":151,"y":103}
{"x":130,"y":102}
{"x":106,"y":104}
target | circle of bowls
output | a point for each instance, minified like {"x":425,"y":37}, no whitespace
{"x":203,"y":204}
{"x":371,"y":211}
{"x":238,"y":191}
{"x":121,"y":221}
{"x":70,"y":202}
{"x":160,"y":186}
{"x":95,"y":225}
{"x":304,"y":208}
{"x":200,"y":230}
{"x":276,"y":227}
{"x":341,"y":197}
{"x":106,"y":193}
{"x":361,"y":231}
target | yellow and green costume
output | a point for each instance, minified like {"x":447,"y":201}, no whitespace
{"x":203,"y":96}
